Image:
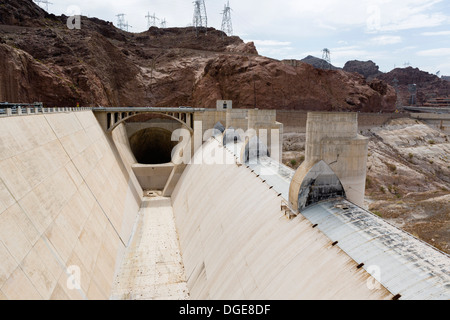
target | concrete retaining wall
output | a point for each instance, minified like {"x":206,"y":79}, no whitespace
{"x":295,"y":121}
{"x":67,"y":207}
{"x":237,"y":243}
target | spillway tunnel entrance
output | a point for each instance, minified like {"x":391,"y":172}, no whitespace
{"x":151,"y":151}
{"x":152,"y":146}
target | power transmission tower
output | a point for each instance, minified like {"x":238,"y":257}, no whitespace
{"x":151,"y":20}
{"x":227,"y":26}
{"x":46,"y":2}
{"x":326,"y":59}
{"x":121,"y":24}
{"x":163,"y":23}
{"x":200,"y":16}
{"x":120,"y":20}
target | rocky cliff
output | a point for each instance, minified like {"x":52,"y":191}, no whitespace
{"x":427,"y":85}
{"x":42,"y":60}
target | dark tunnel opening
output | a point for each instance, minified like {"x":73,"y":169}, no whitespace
{"x":152,"y":146}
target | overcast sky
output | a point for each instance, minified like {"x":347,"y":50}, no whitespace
{"x":392,"y":33}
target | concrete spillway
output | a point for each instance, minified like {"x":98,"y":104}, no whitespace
{"x":75,"y":223}
{"x":67,"y":207}
{"x":238,"y":244}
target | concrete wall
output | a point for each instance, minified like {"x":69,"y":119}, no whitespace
{"x":438,"y":121}
{"x":67,"y":207}
{"x":295,"y":121}
{"x":333,"y":138}
{"x":237,"y":243}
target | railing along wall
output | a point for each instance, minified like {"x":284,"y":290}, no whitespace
{"x":30,"y":110}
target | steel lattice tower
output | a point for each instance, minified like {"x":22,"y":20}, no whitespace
{"x":121,"y":24}
{"x":227,"y":26}
{"x":326,"y":57}
{"x":46,"y":2}
{"x":200,"y":16}
{"x":151,"y":20}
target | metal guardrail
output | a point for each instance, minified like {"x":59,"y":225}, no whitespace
{"x":17,"y":109}
{"x":148,"y":109}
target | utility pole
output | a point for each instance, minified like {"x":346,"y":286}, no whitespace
{"x":227,"y":26}
{"x":200,"y":16}
{"x":46,"y":2}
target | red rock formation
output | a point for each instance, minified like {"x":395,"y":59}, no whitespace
{"x":266,"y":83}
{"x":42,"y":60}
{"x":428,"y":85}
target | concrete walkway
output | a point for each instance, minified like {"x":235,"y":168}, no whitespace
{"x":152,"y":268}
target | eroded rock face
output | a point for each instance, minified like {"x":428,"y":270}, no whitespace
{"x":427,"y":85}
{"x":368,"y":69}
{"x":42,"y":60}
{"x":267,"y":83}
{"x":22,"y":78}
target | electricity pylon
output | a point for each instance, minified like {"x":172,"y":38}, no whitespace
{"x":46,"y":2}
{"x":151,"y":20}
{"x":121,"y":24}
{"x":326,"y":57}
{"x":227,"y":26}
{"x":200,"y":16}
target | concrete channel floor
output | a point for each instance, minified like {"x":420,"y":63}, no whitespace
{"x":152,"y":268}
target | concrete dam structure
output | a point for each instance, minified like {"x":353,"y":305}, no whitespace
{"x":82,"y":217}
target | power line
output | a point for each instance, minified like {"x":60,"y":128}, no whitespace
{"x":227,"y":26}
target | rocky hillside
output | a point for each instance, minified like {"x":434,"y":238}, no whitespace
{"x":408,"y":179}
{"x":408,"y":176}
{"x":368,"y":69}
{"x":319,"y":63}
{"x":428,"y":85}
{"x":42,"y":60}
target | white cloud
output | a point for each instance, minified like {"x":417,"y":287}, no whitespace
{"x":436,"y":33}
{"x":270,"y":43}
{"x":415,"y":22}
{"x":439,"y":52}
{"x":385,"y":40}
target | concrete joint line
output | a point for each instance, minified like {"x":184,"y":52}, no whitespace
{"x":84,"y":180}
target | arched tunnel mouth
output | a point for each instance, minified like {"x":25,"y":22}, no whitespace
{"x":152,"y":146}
